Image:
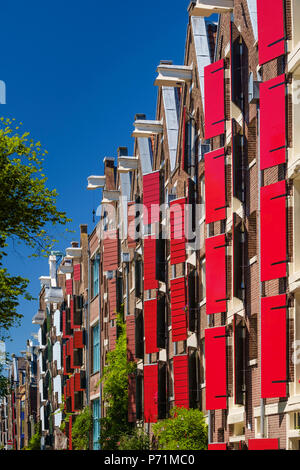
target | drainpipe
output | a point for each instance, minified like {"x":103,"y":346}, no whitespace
{"x":260,"y":182}
{"x":87,"y":312}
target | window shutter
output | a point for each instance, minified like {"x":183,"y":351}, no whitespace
{"x":273,"y":235}
{"x":215,"y":269}
{"x":214,"y":90}
{"x":273,"y":347}
{"x":216,"y":373}
{"x":215,"y":193}
{"x":271,"y":35}
{"x":272,"y":122}
{"x":178,"y":309}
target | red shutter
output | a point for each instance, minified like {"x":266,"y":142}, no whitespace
{"x":112,"y":337}
{"x":215,"y":359}
{"x":215,"y":250}
{"x":263,"y":444}
{"x":178,"y":309}
{"x":151,"y":196}
{"x":110,"y":251}
{"x":271,"y":35}
{"x":72,"y":312}
{"x":131,"y":225}
{"x":272,"y":122}
{"x":273,"y":346}
{"x":150,"y":319}
{"x":64,"y":319}
{"x":77,"y":272}
{"x":217,"y":446}
{"x":69,"y":287}
{"x":150,"y":281}
{"x":215,"y":194}
{"x":65,"y":354}
{"x":214,"y":92}
{"x":78,"y":382}
{"x":78,"y":340}
{"x":177,"y":222}
{"x":70,"y":351}
{"x":181,"y":380}
{"x":112,"y":298}
{"x":130,"y":332}
{"x":150,"y":393}
{"x":273,"y":231}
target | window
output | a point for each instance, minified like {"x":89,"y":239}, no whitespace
{"x":95,"y":276}
{"x":96,"y":424}
{"x":96,"y":348}
{"x":202,"y":197}
{"x":203,"y":279}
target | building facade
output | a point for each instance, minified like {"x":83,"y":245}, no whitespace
{"x":197,"y":247}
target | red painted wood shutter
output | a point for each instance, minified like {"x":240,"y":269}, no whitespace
{"x":110,"y":250}
{"x":273,"y":231}
{"x":215,"y":193}
{"x":263,"y":444}
{"x":272,"y":122}
{"x":181,"y":380}
{"x":271,"y":34}
{"x":150,"y":393}
{"x":69,"y":286}
{"x":151,"y":197}
{"x":273,"y":346}
{"x":150,"y":281}
{"x":214,"y":92}
{"x":78,"y":339}
{"x":130,"y":331}
{"x":112,"y":337}
{"x":112,"y":298}
{"x":150,"y":322}
{"x":216,"y":376}
{"x":77,"y":272}
{"x":215,"y":270}
{"x":178,"y":239}
{"x":79,"y":381}
{"x":178,"y":309}
{"x":217,"y":446}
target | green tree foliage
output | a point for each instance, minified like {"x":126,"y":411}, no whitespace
{"x":27,"y":210}
{"x":81,"y":430}
{"x":115,"y":391}
{"x":137,"y":440}
{"x":184,"y":430}
{"x":35,"y":441}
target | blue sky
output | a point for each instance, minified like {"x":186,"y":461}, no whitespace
{"x":76,"y":74}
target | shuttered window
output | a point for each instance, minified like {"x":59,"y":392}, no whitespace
{"x":178,"y":309}
{"x":150,"y":321}
{"x":69,"y":287}
{"x":272,"y":122}
{"x":215,"y":194}
{"x":77,"y":272}
{"x":110,"y":251}
{"x":151,"y":197}
{"x":273,"y":231}
{"x":271,"y":35}
{"x":150,"y":393}
{"x":215,"y":270}
{"x":216,"y":377}
{"x":214,"y":91}
{"x":273,"y":346}
{"x":181,"y":380}
{"x":150,"y":281}
{"x":177,"y":223}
